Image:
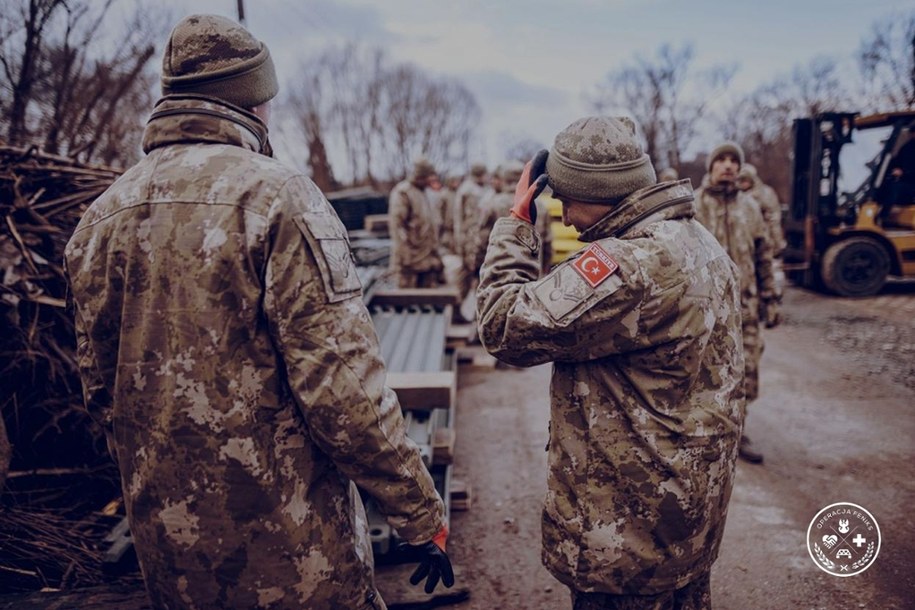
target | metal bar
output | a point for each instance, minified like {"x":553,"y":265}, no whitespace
{"x":417,"y":352}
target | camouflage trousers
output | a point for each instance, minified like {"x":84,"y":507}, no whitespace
{"x":697,"y":595}
{"x":752,"y":349}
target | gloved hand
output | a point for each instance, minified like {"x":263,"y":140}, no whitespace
{"x":434,"y":563}
{"x":771,"y":315}
{"x":527,"y":190}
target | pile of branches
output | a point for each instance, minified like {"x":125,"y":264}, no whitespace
{"x":56,"y":449}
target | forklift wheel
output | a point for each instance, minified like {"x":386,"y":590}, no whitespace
{"x":855,"y":267}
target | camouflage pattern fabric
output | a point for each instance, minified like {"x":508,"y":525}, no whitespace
{"x":415,"y":257}
{"x":646,"y":392}
{"x":735,"y":219}
{"x":443,"y":208}
{"x":771,"y":210}
{"x":466,"y":218}
{"x":224,"y":344}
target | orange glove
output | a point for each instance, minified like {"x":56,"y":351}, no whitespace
{"x":434,"y":563}
{"x":526,"y":191}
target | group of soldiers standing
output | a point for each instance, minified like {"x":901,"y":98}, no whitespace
{"x":433,"y":219}
{"x":226,"y":351}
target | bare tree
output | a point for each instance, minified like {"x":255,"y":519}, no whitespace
{"x":886,"y":59}
{"x":23,"y":31}
{"x":372,"y":118}
{"x":667,"y":97}
{"x":762,"y":121}
{"x":307,"y":104}
{"x":520,"y":148}
{"x":73,"y":91}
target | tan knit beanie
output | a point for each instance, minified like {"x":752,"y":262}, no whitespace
{"x":422,"y":168}
{"x":478,"y":170}
{"x":725,"y":148}
{"x":214,"y":56}
{"x":511,"y":173}
{"x":599,"y":160}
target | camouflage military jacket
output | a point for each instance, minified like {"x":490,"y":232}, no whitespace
{"x":735,"y":219}
{"x":223,"y":341}
{"x":643,"y":328}
{"x":771,"y":210}
{"x":466,"y":219}
{"x":414,"y":239}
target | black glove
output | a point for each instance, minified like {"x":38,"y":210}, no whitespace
{"x":434,"y":563}
{"x":533,"y":181}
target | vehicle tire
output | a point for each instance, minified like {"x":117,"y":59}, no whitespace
{"x":855,"y":267}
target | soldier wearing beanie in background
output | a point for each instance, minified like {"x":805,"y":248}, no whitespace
{"x":736,"y":220}
{"x":643,"y":329}
{"x":466,"y":219}
{"x":415,"y":256}
{"x":225,"y":348}
{"x":748,"y":181}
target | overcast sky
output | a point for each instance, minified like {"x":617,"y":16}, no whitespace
{"x":529,"y":62}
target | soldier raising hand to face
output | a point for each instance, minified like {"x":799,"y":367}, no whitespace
{"x":643,"y":329}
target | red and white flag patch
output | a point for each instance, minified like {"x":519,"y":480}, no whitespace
{"x":595,"y":265}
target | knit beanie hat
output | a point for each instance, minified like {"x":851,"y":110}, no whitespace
{"x":422,"y":168}
{"x":732,"y":148}
{"x":214,"y":56}
{"x":599,"y":160}
{"x":477,"y":170}
{"x":511,"y":173}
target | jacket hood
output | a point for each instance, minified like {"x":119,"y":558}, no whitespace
{"x":662,"y":201}
{"x":195,"y":119}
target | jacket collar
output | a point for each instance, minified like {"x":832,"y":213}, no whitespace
{"x":195,"y":119}
{"x":663,"y":201}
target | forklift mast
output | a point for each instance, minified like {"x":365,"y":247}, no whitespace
{"x":814,"y":205}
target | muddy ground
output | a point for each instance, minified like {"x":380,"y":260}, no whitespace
{"x":836,"y":422}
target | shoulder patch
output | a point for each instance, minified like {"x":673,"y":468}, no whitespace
{"x":566,"y":294}
{"x":327,"y":238}
{"x":595,"y":265}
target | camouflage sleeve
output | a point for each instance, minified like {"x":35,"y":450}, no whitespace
{"x":96,"y":397}
{"x":526,"y":322}
{"x":764,"y":253}
{"x":332,"y":359}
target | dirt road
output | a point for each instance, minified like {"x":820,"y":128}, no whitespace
{"x":836,"y":422}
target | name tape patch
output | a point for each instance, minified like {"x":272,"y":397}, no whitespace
{"x":595,"y":265}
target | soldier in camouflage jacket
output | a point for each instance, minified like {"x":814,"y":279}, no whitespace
{"x":415,"y":255}
{"x":736,"y":220}
{"x":224,"y":345}
{"x":643,"y":329}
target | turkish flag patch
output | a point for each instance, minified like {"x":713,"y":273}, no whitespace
{"x":595,"y":265}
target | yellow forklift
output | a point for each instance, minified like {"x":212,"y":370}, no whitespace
{"x":851,"y":221}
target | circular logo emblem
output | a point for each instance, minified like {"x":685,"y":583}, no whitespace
{"x":843,"y":539}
